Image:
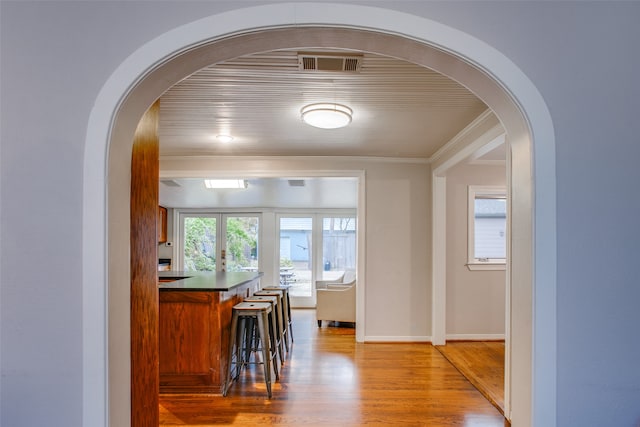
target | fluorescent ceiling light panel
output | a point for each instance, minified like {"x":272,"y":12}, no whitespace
{"x":225,"y":183}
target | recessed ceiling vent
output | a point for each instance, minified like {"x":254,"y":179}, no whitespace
{"x":296,"y":183}
{"x":170,"y":183}
{"x":329,"y":62}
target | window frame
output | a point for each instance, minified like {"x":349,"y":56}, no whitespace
{"x":474,"y":263}
{"x":317,"y":216}
{"x":221,"y":228}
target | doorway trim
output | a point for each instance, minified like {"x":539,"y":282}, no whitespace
{"x":135,"y":85}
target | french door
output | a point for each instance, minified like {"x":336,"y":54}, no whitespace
{"x":218,"y":241}
{"x":309,"y":247}
{"x":315,"y":247}
{"x":296,"y":258}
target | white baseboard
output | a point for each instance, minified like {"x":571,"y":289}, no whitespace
{"x":397,"y":339}
{"x":474,"y":337}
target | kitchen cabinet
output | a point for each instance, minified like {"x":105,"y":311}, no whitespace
{"x":162,"y":224}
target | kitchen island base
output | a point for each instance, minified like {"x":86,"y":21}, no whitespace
{"x":194,"y":337}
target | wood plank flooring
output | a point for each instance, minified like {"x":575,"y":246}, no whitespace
{"x":482,"y":363}
{"x":330,"y":380}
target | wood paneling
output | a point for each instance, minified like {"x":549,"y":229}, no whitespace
{"x":144,"y":271}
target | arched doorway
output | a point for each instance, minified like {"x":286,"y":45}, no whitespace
{"x":170,"y":57}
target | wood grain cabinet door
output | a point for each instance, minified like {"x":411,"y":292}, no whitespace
{"x":162,"y":224}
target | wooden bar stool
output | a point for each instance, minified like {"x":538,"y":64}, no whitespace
{"x":245,"y":339}
{"x":287,"y":307}
{"x":275,"y":322}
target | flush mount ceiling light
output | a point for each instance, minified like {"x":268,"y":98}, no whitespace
{"x":326,"y":115}
{"x":225,"y":183}
{"x":224,"y":138}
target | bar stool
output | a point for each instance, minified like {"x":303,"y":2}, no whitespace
{"x":276,"y":322}
{"x":283,"y":310}
{"x":245,"y":339}
{"x":287,"y":306}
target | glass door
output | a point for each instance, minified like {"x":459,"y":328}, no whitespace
{"x":199,"y":251}
{"x":240,"y":252}
{"x":315,"y":247}
{"x":219,"y":242}
{"x":338,"y":249}
{"x":296,"y":258}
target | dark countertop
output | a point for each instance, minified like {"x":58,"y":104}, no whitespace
{"x":205,"y":281}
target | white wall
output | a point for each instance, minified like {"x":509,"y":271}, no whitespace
{"x":475,"y":299}
{"x":397,"y":211}
{"x":581,"y":56}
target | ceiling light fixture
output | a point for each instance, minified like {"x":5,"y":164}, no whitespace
{"x":224,"y":138}
{"x":326,"y":115}
{"x":225,"y":183}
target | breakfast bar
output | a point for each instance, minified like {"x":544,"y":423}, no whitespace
{"x":194,"y":322}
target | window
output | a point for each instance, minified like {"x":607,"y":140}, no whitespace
{"x":487,"y":229}
{"x":315,"y":246}
{"x":301,"y":246}
{"x":200,"y":243}
{"x":211,"y":241}
{"x":242,"y":235}
{"x":338,"y":246}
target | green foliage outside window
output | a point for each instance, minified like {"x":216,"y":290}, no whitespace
{"x":242,"y":243}
{"x":200,"y":244}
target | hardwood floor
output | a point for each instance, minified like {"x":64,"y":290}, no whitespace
{"x":330,"y":380}
{"x":482,"y":363}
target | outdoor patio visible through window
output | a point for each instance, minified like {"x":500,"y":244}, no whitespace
{"x":315,"y":247}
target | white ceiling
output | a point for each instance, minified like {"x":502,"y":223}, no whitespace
{"x":400,"y":110}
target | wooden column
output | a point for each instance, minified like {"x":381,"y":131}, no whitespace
{"x":144,"y":271}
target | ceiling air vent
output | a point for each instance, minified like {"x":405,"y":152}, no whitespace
{"x":296,"y":183}
{"x":170,"y":183}
{"x":329,"y":62}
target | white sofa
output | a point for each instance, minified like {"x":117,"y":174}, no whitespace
{"x":336,"y":302}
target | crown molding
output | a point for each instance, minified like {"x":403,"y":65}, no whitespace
{"x":485,"y":129}
{"x":479,"y":162}
{"x":366,"y":159}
